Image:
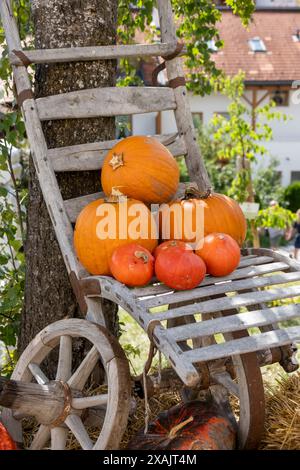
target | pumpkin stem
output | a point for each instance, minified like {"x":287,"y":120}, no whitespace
{"x":192,"y":192}
{"x":143,"y":255}
{"x":116,"y":161}
{"x":179,"y":426}
{"x":116,"y":196}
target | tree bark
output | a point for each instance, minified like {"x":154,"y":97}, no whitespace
{"x":64,"y":23}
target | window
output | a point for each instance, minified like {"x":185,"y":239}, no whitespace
{"x":211,"y":44}
{"x":280,"y":98}
{"x":295,"y":176}
{"x":197,"y":120}
{"x":257,"y":45}
{"x":224,"y":114}
{"x":296,"y":36}
{"x":123,"y":126}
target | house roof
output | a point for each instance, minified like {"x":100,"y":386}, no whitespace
{"x":281,"y":61}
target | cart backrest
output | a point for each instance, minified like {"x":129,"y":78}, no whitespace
{"x":110,"y":101}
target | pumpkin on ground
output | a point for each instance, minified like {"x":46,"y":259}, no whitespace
{"x":104,"y":225}
{"x":6,"y":442}
{"x":170,"y":244}
{"x":220,"y":253}
{"x":179,"y":269}
{"x":195,"y":425}
{"x":132,"y":265}
{"x":142,"y":168}
{"x":192,"y":219}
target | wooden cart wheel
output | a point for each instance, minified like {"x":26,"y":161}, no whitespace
{"x":113,"y":405}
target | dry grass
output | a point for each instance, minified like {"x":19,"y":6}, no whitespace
{"x":283,"y":415}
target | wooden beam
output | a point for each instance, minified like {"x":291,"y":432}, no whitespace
{"x":44,"y":402}
{"x":78,"y":54}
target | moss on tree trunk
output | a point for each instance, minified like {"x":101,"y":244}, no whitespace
{"x":64,"y":23}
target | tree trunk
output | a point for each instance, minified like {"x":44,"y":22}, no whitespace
{"x":64,"y":23}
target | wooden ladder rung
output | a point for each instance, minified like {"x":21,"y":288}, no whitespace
{"x":221,"y":288}
{"x":74,"y":206}
{"x":78,"y":54}
{"x":253,"y":343}
{"x":238,"y":322}
{"x":108,"y":101}
{"x":228,"y":303}
{"x":87,"y":157}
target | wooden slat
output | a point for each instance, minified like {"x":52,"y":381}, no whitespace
{"x":241,"y":321}
{"x":109,"y":101}
{"x":247,"y":272}
{"x":248,"y":344}
{"x":254,"y":261}
{"x":87,"y":157}
{"x":235,"y":286}
{"x":293,"y":264}
{"x":227,"y":303}
{"x":78,"y":54}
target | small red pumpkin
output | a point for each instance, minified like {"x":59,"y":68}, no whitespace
{"x":171,"y":244}
{"x":220,"y":253}
{"x":132,"y":265}
{"x":179,"y":269}
{"x":6,"y":442}
{"x":195,"y":425}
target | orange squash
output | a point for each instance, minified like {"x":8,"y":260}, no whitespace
{"x":104,"y":225}
{"x":220,"y":253}
{"x":179,"y":269}
{"x":171,"y":244}
{"x":220,"y":214}
{"x":195,"y":425}
{"x":142,"y":168}
{"x":132,"y":265}
{"x":6,"y":442}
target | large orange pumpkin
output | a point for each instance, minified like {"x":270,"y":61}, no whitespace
{"x":196,"y":425}
{"x":220,"y":253}
{"x":142,"y":168}
{"x":219,"y":214}
{"x":102,"y":226}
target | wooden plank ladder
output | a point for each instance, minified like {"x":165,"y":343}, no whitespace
{"x":215,"y":336}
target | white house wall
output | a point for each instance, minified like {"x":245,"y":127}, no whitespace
{"x":285,"y":145}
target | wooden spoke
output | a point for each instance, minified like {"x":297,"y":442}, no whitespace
{"x":41,"y":438}
{"x":89,"y":402}
{"x":223,"y":378}
{"x":76,"y":426}
{"x":64,"y":368}
{"x":82,"y":373}
{"x":38,"y":374}
{"x":59,"y":438}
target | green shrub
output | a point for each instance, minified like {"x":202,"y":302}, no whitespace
{"x":292,"y":196}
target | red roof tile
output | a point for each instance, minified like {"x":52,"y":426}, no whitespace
{"x":281,"y":62}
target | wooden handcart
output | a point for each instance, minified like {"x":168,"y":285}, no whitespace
{"x":236,"y":308}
